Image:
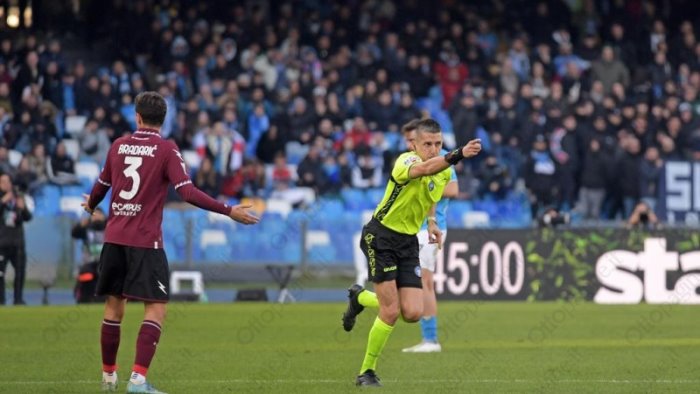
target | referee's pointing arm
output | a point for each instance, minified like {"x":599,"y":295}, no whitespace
{"x":439,"y":163}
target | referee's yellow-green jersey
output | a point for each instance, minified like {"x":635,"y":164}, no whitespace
{"x":407,"y":201}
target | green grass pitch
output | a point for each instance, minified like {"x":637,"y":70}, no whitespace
{"x":270,"y":348}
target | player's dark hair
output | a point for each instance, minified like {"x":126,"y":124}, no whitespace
{"x":428,"y":126}
{"x":410,"y":126}
{"x":152,"y":108}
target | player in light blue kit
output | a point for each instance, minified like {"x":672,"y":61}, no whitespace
{"x":428,"y":259}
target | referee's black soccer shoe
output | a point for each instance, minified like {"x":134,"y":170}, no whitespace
{"x":369,"y":378}
{"x":354,"y":307}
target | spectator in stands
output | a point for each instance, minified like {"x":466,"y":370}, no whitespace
{"x":419,"y":78}
{"x":643,"y":217}
{"x":5,"y":166}
{"x":368,"y":172}
{"x":37,"y":163}
{"x":207,"y":179}
{"x":593,"y":176}
{"x":451,"y":74}
{"x":564,"y":148}
{"x":271,"y":144}
{"x":649,"y":173}
{"x":301,"y":121}
{"x":551,"y":217}
{"x":61,"y":168}
{"x":5,"y":99}
{"x":52,"y":89}
{"x":248,"y":181}
{"x":29,"y":74}
{"x":494,"y":179}
{"x":281,"y":175}
{"x":359,"y":135}
{"x":608,"y":70}
{"x":14,"y":213}
{"x":540,"y":177}
{"x":24,"y":178}
{"x":310,"y":171}
{"x":258,"y":124}
{"x":94,"y":142}
{"x":17,"y":135}
{"x":382,"y":115}
{"x":628,"y":177}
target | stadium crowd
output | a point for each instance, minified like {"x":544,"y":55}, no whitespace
{"x":577,"y":105}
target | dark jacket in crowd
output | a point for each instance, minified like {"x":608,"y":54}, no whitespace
{"x":12,"y":222}
{"x":628,"y":179}
{"x":593,"y":172}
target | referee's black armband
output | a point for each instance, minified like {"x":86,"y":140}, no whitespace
{"x":453,"y":157}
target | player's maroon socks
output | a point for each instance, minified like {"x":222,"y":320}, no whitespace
{"x":149,"y":334}
{"x":109,"y":340}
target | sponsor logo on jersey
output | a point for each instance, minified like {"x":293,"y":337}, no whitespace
{"x":137,"y":150}
{"x":411,"y":160}
{"x":127,"y":209}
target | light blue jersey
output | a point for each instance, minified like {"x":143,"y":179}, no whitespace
{"x":441,"y":209}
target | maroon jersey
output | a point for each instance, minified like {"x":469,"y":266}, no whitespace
{"x":139,"y":169}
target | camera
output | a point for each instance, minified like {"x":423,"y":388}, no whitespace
{"x":553,"y":218}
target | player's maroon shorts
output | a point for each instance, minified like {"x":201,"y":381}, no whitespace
{"x":134,"y":273}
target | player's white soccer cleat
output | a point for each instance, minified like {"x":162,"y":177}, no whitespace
{"x":142,"y":388}
{"x":424,"y":347}
{"x":110,"y":382}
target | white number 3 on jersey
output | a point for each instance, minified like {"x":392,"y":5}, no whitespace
{"x":134,"y":163}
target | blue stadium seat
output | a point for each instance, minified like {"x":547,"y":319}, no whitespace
{"x":322,"y":255}
{"x":291,"y":253}
{"x":392,"y":139}
{"x":50,"y":191}
{"x":271,"y":218}
{"x":217,"y":254}
{"x":353,"y":199}
{"x":456,"y":211}
{"x":74,"y":190}
{"x":375,"y":196}
{"x":330,"y":208}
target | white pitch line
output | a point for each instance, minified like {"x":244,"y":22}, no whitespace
{"x":315,"y":381}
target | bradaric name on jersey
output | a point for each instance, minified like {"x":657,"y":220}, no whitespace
{"x":137,"y":150}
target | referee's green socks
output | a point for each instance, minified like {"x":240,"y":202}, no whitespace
{"x":368,"y":299}
{"x":378,"y":336}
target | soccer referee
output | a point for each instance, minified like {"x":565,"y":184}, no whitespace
{"x":390,"y":244}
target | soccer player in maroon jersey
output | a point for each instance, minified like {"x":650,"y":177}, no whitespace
{"x":133,"y":265}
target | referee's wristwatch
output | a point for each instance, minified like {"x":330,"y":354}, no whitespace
{"x":432,"y":219}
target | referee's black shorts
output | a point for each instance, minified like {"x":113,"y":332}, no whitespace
{"x":391,"y":255}
{"x":133,"y":273}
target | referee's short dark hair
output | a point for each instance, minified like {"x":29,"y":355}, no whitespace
{"x":428,"y":126}
{"x":410,"y":126}
{"x":152,"y":108}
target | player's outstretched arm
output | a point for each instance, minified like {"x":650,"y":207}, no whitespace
{"x":439,"y":163}
{"x":176,"y":173}
{"x":198,"y":198}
